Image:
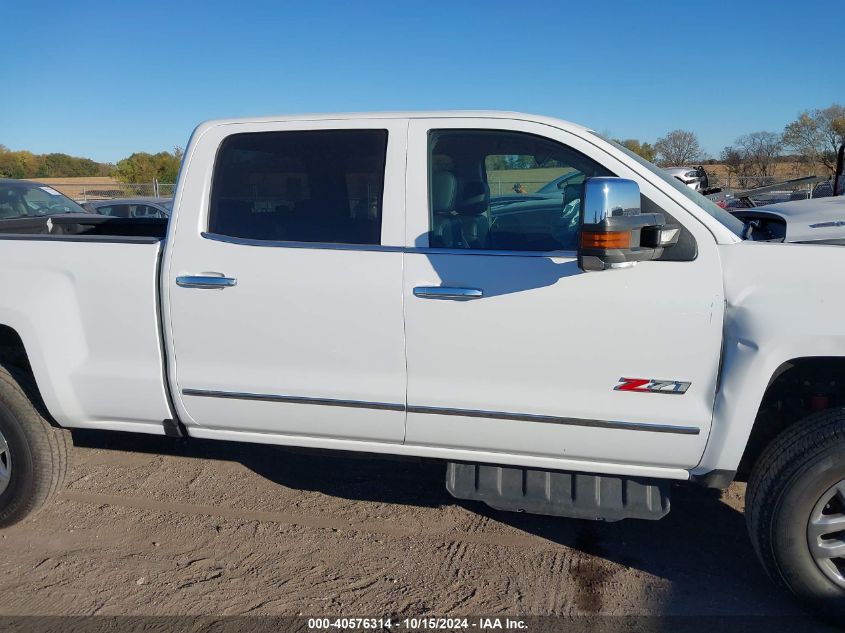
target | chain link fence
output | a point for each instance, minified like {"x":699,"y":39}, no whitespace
{"x":88,"y":191}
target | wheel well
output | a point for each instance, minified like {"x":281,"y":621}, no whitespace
{"x":798,"y":388}
{"x":13,"y":356}
{"x":12,"y":350}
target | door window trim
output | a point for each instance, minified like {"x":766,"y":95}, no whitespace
{"x":333,"y":246}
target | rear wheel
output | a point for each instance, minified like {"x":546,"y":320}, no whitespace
{"x":33,"y":454}
{"x":795,"y":511}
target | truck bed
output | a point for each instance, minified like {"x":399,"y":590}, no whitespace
{"x":87,"y":225}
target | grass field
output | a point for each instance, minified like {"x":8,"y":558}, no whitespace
{"x":501,"y":181}
{"x":782,"y":171}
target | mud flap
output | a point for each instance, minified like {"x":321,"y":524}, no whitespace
{"x":575,"y":495}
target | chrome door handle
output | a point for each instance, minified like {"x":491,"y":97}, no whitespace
{"x":205,"y":281}
{"x":446,"y":292}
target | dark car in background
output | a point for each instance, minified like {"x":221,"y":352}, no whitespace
{"x":143,"y":207}
{"x":33,"y":208}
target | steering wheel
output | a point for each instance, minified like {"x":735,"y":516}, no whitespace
{"x":56,"y":206}
{"x":41,"y":209}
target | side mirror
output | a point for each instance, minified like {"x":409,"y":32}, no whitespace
{"x":613,"y":232}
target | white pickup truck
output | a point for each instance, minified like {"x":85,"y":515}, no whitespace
{"x":344,"y":282}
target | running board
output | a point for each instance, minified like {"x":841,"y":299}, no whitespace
{"x":565,"y":494}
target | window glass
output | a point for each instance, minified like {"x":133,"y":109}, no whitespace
{"x":499,"y":190}
{"x":22,"y":199}
{"x":117,"y":210}
{"x":311,"y":186}
{"x":146,"y":211}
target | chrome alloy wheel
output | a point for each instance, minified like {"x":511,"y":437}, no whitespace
{"x":5,"y":464}
{"x":826,"y":533}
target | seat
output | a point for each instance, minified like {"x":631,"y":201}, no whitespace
{"x":8,"y":209}
{"x":572,"y":193}
{"x":472,"y":212}
{"x":12,"y":204}
{"x":565,"y":231}
{"x":446,"y":230}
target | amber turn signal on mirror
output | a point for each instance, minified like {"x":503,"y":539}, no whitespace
{"x":612,"y":239}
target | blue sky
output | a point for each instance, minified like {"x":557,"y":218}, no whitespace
{"x":104,"y":79}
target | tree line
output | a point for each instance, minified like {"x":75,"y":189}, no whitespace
{"x":811,"y":141}
{"x":139,"y":167}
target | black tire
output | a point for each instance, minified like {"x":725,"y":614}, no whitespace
{"x":38,"y":452}
{"x":791,"y":477}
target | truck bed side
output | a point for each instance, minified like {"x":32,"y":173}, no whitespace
{"x":87,"y":312}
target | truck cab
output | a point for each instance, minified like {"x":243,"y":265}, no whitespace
{"x":354,"y":282}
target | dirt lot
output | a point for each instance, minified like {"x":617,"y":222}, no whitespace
{"x":149,"y":526}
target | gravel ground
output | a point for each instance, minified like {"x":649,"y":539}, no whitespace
{"x":150,"y":526}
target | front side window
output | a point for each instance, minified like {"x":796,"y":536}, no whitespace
{"x":310,"y":186}
{"x":499,"y":190}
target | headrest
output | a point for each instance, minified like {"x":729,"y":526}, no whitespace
{"x":572,"y":192}
{"x":475,"y":198}
{"x":444,"y":187}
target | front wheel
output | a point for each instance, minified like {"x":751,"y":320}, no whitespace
{"x":795,"y":511}
{"x":33,"y":454}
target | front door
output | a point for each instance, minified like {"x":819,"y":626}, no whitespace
{"x":285,"y":281}
{"x":511,"y":348}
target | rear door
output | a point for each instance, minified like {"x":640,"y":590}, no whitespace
{"x":284,"y":282}
{"x":511,"y":348}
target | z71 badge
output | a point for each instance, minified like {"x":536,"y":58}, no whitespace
{"x":652,"y":385}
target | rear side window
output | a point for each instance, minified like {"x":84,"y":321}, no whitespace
{"x":311,"y":186}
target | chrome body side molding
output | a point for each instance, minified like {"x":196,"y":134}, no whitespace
{"x":471,"y":413}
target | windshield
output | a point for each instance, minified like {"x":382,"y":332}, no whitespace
{"x":711,"y":208}
{"x":29,"y":199}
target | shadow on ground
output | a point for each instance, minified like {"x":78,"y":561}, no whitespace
{"x":701,"y":547}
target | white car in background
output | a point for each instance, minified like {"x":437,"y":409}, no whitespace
{"x":693,"y":177}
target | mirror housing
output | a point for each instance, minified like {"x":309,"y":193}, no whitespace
{"x":613,"y":231}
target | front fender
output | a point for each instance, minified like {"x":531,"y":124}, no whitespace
{"x":783,"y":302}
